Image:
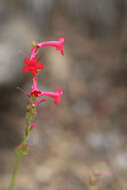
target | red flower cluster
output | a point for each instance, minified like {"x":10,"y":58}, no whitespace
{"x":33,"y":66}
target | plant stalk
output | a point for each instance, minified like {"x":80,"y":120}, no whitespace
{"x":15,"y":171}
{"x":22,"y":149}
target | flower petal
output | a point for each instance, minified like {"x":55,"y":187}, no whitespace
{"x":34,"y":72}
{"x":62,"y":39}
{"x":62,"y":52}
{"x":39,"y":66}
{"x":25,"y":69}
{"x":34,"y":60}
{"x":26,"y":61}
{"x":36,"y":93}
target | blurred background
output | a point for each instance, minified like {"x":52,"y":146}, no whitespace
{"x":87,"y":132}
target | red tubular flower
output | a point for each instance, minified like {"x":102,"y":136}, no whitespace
{"x":35,"y":91}
{"x":55,"y":95}
{"x":32,"y":66}
{"x":58,"y":44}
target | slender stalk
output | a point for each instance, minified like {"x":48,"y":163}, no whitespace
{"x":15,"y":171}
{"x":22,"y":149}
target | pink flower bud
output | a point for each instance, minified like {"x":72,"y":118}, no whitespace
{"x":33,"y":125}
{"x":39,"y":101}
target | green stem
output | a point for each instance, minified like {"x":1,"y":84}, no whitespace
{"x":15,"y":171}
{"x":22,"y":148}
{"x":93,"y":187}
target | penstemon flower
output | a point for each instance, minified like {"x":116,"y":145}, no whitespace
{"x":58,"y":44}
{"x":55,"y":95}
{"x":37,"y":93}
{"x":33,"y":66}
